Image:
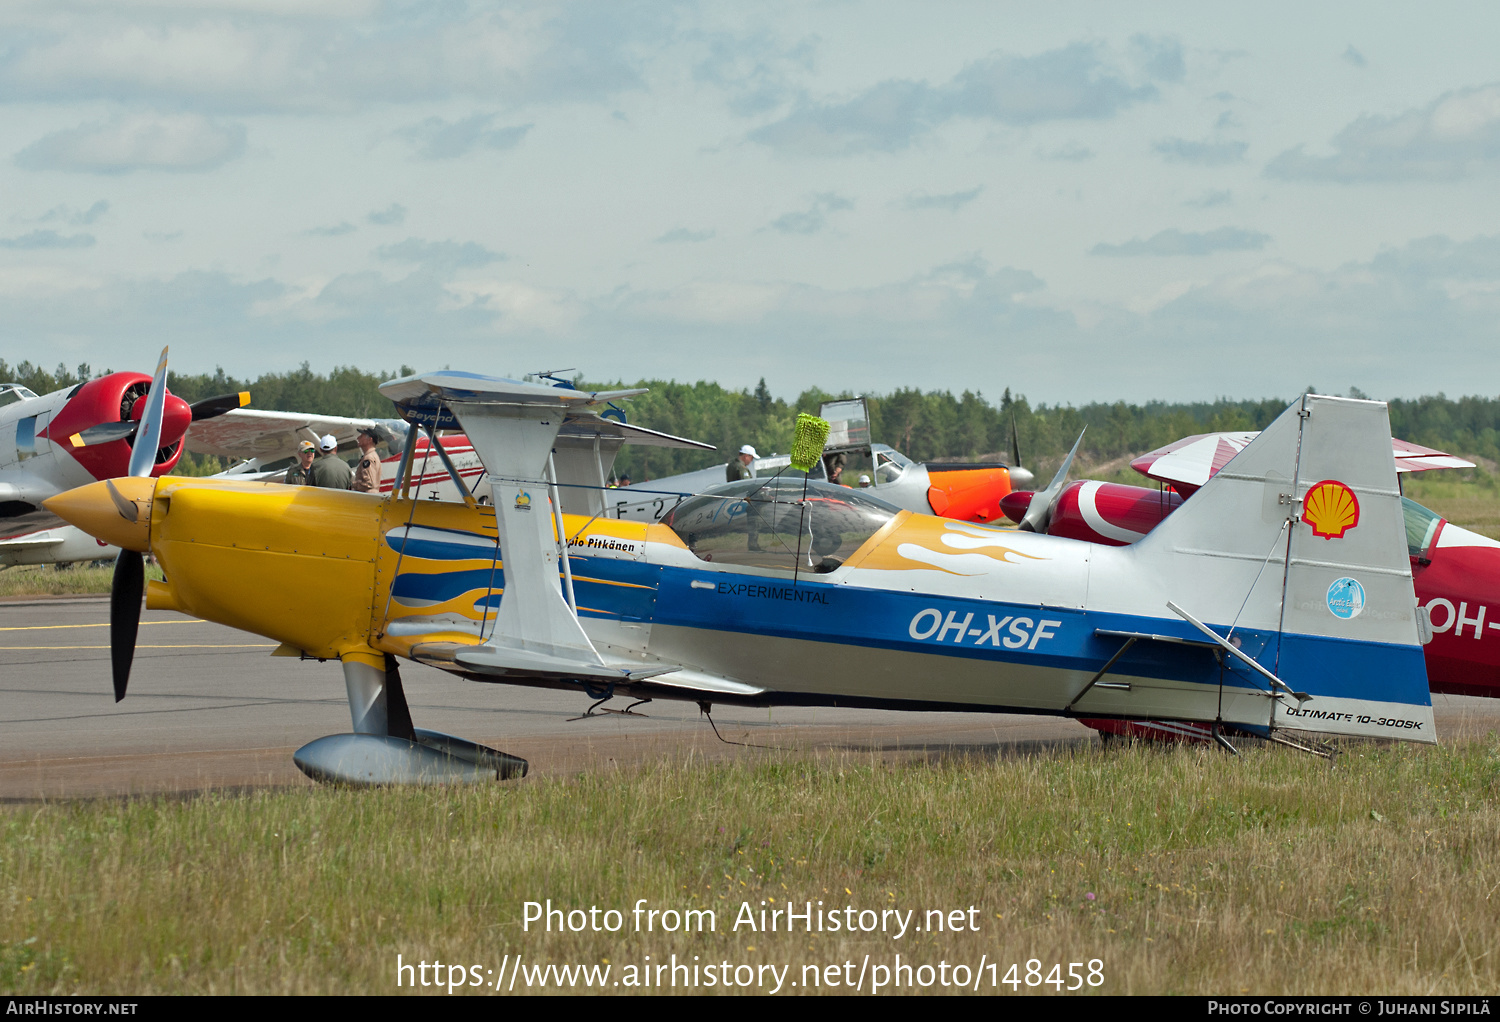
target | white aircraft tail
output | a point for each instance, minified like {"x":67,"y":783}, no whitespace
{"x":1295,"y":553}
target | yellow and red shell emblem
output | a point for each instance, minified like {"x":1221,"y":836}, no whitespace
{"x":1331,"y":508}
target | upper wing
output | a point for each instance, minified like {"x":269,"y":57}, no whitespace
{"x":252,"y":433}
{"x":1416,"y":458}
{"x":514,"y":427}
{"x":1192,"y":461}
{"x":587,"y":426}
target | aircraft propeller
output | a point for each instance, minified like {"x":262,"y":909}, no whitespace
{"x":1020,"y":478}
{"x":129,"y":583}
{"x":1039,"y":512}
{"x":208,"y":408}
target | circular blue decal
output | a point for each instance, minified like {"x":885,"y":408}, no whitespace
{"x":1346,"y":598}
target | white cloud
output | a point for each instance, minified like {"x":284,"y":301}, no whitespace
{"x":72,"y":216}
{"x":1068,"y":152}
{"x":1082,"y":81}
{"x":950,"y":201}
{"x":392,"y":215}
{"x":1208,"y":154}
{"x":1456,"y":135}
{"x":756,"y":70}
{"x":130,"y":142}
{"x":439,"y":139}
{"x":812,"y":219}
{"x":681,"y":234}
{"x":268,"y":56}
{"x":48,"y":239}
{"x":1273,"y":328}
{"x":1211,"y":198}
{"x":1173,"y":242}
{"x":440,"y":255}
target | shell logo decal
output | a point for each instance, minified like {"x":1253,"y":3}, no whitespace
{"x":1330,"y":508}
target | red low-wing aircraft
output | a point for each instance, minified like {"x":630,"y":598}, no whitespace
{"x":55,"y":442}
{"x":1456,"y":571}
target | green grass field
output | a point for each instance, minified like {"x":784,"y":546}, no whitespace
{"x":81,"y":579}
{"x":1180,"y":870}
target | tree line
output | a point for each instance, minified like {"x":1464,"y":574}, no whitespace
{"x":924,"y":425}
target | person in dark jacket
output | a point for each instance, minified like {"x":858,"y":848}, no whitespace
{"x":740,"y":468}
{"x":300,"y":474}
{"x":329,"y":470}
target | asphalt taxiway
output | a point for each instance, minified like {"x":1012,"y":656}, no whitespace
{"x":209,"y":707}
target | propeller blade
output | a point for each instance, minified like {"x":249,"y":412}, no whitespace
{"x":104,"y":433}
{"x":123,"y":504}
{"x":1039,"y":514}
{"x":209,"y":407}
{"x":1020,"y":477}
{"x":125,"y":615}
{"x":148,"y":437}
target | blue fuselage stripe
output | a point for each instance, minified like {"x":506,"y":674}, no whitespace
{"x":1048,"y":637}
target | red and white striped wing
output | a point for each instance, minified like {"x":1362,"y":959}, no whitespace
{"x":1193,"y":461}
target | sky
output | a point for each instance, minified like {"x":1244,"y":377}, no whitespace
{"x":1077,"y":201}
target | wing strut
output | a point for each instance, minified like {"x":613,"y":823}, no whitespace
{"x":442,"y":454}
{"x":562,"y":533}
{"x":1102,"y":672}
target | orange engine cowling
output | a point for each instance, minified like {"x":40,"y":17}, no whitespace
{"x":968,"y":494}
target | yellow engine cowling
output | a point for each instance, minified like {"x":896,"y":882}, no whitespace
{"x":293,"y":563}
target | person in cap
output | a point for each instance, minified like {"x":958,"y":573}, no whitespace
{"x":300,"y":474}
{"x":329,"y":470}
{"x":740,"y":468}
{"x":367,"y":472}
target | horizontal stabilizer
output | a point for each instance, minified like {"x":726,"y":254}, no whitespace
{"x":528,"y":663}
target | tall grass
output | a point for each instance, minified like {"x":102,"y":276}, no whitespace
{"x":81,"y":579}
{"x":1269,"y":872}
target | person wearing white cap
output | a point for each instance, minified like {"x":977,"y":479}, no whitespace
{"x":739,"y":468}
{"x":329,"y":469}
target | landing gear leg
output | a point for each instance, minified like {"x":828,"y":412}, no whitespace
{"x":385,"y":748}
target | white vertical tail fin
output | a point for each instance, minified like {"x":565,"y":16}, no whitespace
{"x":1298,"y":546}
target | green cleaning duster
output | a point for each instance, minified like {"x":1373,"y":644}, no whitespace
{"x":808,"y":441}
